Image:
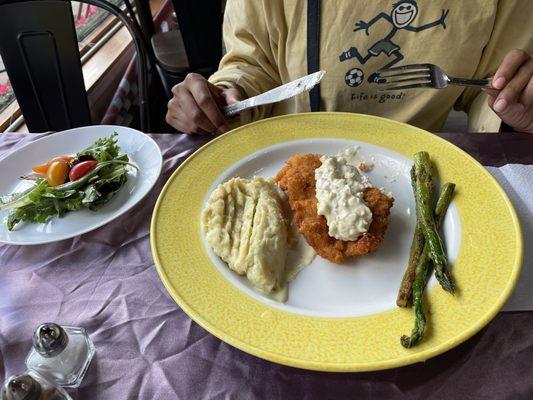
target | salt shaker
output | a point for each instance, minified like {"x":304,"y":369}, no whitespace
{"x":31,"y":386}
{"x":61,"y":354}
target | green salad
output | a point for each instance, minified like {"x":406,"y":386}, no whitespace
{"x":69,"y":183}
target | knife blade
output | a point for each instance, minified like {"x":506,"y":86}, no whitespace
{"x":275,"y":95}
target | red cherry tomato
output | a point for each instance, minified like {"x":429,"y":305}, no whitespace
{"x":57,"y":172}
{"x":41,"y":169}
{"x":81,"y":169}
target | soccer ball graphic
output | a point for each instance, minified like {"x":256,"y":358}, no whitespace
{"x":354,"y":77}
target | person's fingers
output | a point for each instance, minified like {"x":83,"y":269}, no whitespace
{"x":216,"y":92}
{"x":527,"y":95}
{"x":510,"y":64}
{"x":491,"y":101}
{"x":182,"y":122}
{"x":491,"y":92}
{"x":195,"y":118}
{"x":231,"y":95}
{"x":199,"y":88}
{"x":513,"y":90}
{"x":172,"y":113}
{"x":174,"y":116}
{"x":181,"y":125}
{"x":516,"y":117}
{"x":192,"y":118}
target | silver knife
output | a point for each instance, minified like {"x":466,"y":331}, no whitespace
{"x":275,"y":95}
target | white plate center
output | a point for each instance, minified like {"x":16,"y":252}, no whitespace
{"x":363,"y":285}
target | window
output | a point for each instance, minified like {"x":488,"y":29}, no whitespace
{"x":6,"y":91}
{"x":92,"y":24}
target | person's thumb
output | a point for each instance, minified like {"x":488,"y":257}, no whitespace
{"x":231,"y":95}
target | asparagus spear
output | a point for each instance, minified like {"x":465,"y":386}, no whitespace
{"x":405,"y":294}
{"x":422,"y":268}
{"x":424,"y":212}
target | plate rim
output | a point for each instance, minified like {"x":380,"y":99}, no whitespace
{"x":326,"y":366}
{"x":111,"y":218}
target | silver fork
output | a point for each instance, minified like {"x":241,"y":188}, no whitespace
{"x":416,"y":76}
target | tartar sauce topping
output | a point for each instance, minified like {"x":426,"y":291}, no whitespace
{"x":339,"y":191}
{"x":353,"y":157}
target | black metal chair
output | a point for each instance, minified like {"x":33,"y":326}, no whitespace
{"x":195,"y":47}
{"x":40,"y":52}
{"x":200,"y":23}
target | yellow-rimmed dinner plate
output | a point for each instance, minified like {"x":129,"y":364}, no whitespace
{"x":340,"y":317}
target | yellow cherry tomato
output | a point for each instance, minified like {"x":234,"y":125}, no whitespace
{"x":57,"y":172}
{"x":41,"y":169}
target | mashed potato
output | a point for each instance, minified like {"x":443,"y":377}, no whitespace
{"x":245,"y":224}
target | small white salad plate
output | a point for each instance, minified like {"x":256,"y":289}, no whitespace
{"x":140,"y":148}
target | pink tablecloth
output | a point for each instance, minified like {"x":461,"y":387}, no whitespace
{"x":147,"y":348}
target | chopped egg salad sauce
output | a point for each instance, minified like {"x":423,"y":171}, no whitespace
{"x":339,"y":191}
{"x":354,"y":158}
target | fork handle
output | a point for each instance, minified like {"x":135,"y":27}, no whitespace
{"x":471,"y":82}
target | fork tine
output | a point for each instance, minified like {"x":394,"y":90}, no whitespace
{"x":409,"y":73}
{"x":415,"y":79}
{"x":401,"y":87}
{"x":404,"y":67}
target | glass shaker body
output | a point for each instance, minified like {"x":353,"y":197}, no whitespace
{"x":68,"y":367}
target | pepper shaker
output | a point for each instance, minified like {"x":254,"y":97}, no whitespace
{"x":61,"y":354}
{"x":31,"y":386}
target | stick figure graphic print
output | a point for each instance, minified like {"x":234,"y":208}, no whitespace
{"x":402,"y":16}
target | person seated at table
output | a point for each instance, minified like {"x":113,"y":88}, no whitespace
{"x":267,"y":45}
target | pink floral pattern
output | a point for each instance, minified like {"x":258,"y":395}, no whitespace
{"x":6,"y":95}
{"x":83,"y":20}
{"x":5,"y":88}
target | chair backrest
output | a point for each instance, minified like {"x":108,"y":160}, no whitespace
{"x":40,"y":52}
{"x":144,"y":14}
{"x":200,"y":23}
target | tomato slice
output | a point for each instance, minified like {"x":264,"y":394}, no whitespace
{"x":81,"y":169}
{"x":57,"y":172}
{"x":40,"y":169}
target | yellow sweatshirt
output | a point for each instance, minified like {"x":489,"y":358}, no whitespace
{"x":266,"y":44}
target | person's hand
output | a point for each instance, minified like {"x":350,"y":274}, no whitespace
{"x":511,"y":95}
{"x":196,"y":103}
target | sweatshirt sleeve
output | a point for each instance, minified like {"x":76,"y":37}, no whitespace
{"x":512,"y":30}
{"x":249,"y":63}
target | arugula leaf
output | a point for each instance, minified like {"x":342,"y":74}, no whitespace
{"x":59,"y":195}
{"x":104,"y":149}
{"x":91,"y":194}
{"x":74,"y":203}
{"x":107,"y":190}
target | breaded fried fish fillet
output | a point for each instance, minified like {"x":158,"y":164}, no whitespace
{"x":298,"y":179}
